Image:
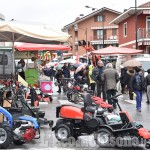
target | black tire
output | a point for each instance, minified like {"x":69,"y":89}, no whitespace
{"x":63,"y":132}
{"x":59,"y":122}
{"x":18,"y":142}
{"x":99,"y":138}
{"x":7,"y":131}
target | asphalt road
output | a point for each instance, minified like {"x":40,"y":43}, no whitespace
{"x":48,"y":140}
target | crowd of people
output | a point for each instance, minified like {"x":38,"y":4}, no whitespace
{"x":103,"y":80}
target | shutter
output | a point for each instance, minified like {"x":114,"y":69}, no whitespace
{"x":95,"y":18}
{"x":104,"y":18}
{"x":94,"y":34}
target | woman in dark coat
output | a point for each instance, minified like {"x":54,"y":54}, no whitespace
{"x":58,"y":75}
{"x":130,"y":73}
{"x":123,"y":79}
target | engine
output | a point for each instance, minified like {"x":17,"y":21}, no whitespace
{"x":24,"y":130}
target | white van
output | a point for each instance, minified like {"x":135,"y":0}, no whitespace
{"x":145,"y":63}
{"x":143,"y":58}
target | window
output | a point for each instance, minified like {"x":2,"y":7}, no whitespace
{"x":99,"y":34}
{"x":99,"y":18}
{"x":125,"y":29}
{"x":148,"y":27}
{"x":3,"y":59}
{"x":114,"y":32}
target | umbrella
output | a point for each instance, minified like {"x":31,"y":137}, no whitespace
{"x":81,"y":67}
{"x":115,"y":50}
{"x":40,"y":47}
{"x":132,"y":63}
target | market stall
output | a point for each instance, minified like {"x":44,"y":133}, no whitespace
{"x":111,"y":50}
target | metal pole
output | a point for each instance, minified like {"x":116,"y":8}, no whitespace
{"x":103,"y":25}
{"x":86,"y":43}
{"x":136,"y":38}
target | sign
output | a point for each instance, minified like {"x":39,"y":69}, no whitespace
{"x":46,"y":86}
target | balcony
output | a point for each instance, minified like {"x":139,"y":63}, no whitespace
{"x":143,"y":33}
{"x":107,"y":39}
{"x":100,"y":37}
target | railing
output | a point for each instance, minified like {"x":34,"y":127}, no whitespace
{"x":100,"y":37}
{"x":143,"y":33}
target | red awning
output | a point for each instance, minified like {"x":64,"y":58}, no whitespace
{"x":116,"y":50}
{"x":40,"y":47}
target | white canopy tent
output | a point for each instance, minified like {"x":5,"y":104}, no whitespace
{"x":14,"y":31}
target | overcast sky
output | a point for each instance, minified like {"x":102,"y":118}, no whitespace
{"x":57,"y":13}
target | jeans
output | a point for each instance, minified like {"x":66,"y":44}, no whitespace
{"x":138,"y":98}
{"x":111,"y":93}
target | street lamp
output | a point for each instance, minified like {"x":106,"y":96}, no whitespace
{"x":85,"y":30}
{"x":102,"y":14}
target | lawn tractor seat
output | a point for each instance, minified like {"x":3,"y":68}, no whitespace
{"x":126,"y":119}
{"x":89,"y":107}
{"x":90,"y":119}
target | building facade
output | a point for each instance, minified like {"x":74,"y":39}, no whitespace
{"x":94,"y":29}
{"x":132,"y":21}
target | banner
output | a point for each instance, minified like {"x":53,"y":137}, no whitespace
{"x":31,"y":76}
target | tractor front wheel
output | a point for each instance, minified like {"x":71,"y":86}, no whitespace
{"x":6,"y":136}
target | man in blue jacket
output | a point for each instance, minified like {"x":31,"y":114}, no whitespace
{"x":137,"y":86}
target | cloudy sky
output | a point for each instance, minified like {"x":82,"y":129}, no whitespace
{"x":57,"y":13}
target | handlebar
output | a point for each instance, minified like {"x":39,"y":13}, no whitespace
{"x":115,"y":96}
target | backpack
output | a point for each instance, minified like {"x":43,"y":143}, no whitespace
{"x":138,"y":82}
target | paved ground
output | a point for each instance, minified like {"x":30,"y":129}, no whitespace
{"x":48,"y":140}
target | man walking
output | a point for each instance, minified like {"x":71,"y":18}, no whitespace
{"x":66,"y":74}
{"x":96,"y":76}
{"x":110,"y":78}
{"x":66,"y":71}
{"x":137,"y":86}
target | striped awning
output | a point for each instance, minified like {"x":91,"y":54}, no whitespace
{"x":105,"y":42}
{"x":146,"y":11}
{"x":105,"y":27}
{"x":144,"y":43}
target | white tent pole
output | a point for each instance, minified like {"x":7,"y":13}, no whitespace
{"x":13,"y":59}
{"x":27,"y":59}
